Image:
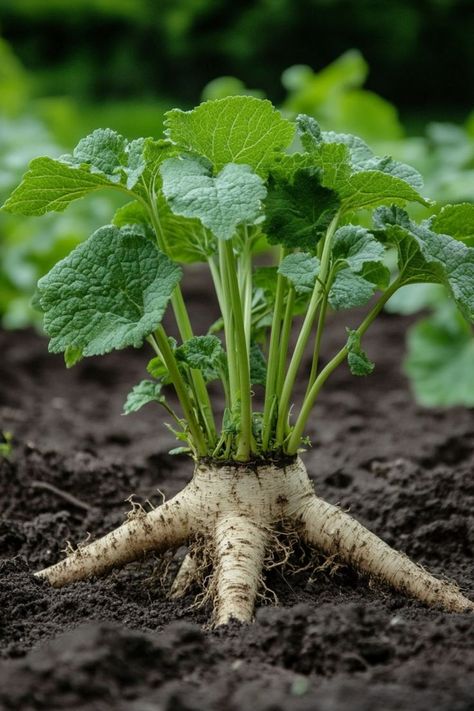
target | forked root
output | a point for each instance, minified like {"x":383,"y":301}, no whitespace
{"x":231,"y":514}
{"x":165,"y":527}
{"x":336,"y":533}
{"x":240,"y":551}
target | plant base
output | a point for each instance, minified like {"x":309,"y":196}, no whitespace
{"x":235,"y":511}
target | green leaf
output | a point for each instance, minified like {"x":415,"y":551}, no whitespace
{"x":104,"y":159}
{"x":221,"y":203}
{"x":72,"y":355}
{"x":356,"y":246}
{"x":359,"y":363}
{"x":456,"y":221}
{"x":301,"y":269}
{"x":104,"y":150}
{"x":357,"y":257}
{"x":186,"y":239}
{"x":360,"y":179}
{"x":349,"y":290}
{"x":237,"y":129}
{"x":109,"y":293}
{"x":176,"y":451}
{"x":258,"y":365}
{"x":204,"y":353}
{"x":298,"y":210}
{"x":426,"y":256}
{"x":146,"y":391}
{"x":132,"y":213}
{"x":50,"y":185}
{"x":362,"y":158}
{"x":440,"y":362}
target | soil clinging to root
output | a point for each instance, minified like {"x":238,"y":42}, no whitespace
{"x":334,"y":643}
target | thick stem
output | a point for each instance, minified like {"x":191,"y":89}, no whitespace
{"x":285,"y":340}
{"x":216,"y":278}
{"x":227,"y":315}
{"x":245,"y":284}
{"x":181,"y":391}
{"x":318,"y":291}
{"x":273,"y":357}
{"x":311,"y":395}
{"x":183,"y":322}
{"x":317,"y":344}
{"x":244,"y":441}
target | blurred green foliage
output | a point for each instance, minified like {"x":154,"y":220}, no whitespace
{"x":124,"y":48}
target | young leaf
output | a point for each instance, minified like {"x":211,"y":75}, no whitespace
{"x":204,"y":353}
{"x":221,"y":203}
{"x":237,"y":129}
{"x":298,"y":210}
{"x":357,"y":359}
{"x":110,"y":292}
{"x":146,"y":391}
{"x":362,"y":158}
{"x":301,"y":269}
{"x":440,"y":362}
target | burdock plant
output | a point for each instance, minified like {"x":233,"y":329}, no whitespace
{"x":228,"y":177}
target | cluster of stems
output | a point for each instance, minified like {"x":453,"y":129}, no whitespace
{"x":231,"y":270}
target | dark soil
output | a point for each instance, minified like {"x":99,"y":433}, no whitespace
{"x":334,"y":643}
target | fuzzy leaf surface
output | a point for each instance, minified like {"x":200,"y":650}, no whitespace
{"x":298,"y":210}
{"x":356,"y":246}
{"x":237,"y":129}
{"x":221,"y":203}
{"x":358,"y":257}
{"x":349,"y":290}
{"x":301,"y":269}
{"x":359,"y":363}
{"x":104,"y":159}
{"x":204,"y":353}
{"x":50,"y":186}
{"x":146,"y":391}
{"x":109,"y":293}
{"x":426,"y":256}
{"x":360,"y":179}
